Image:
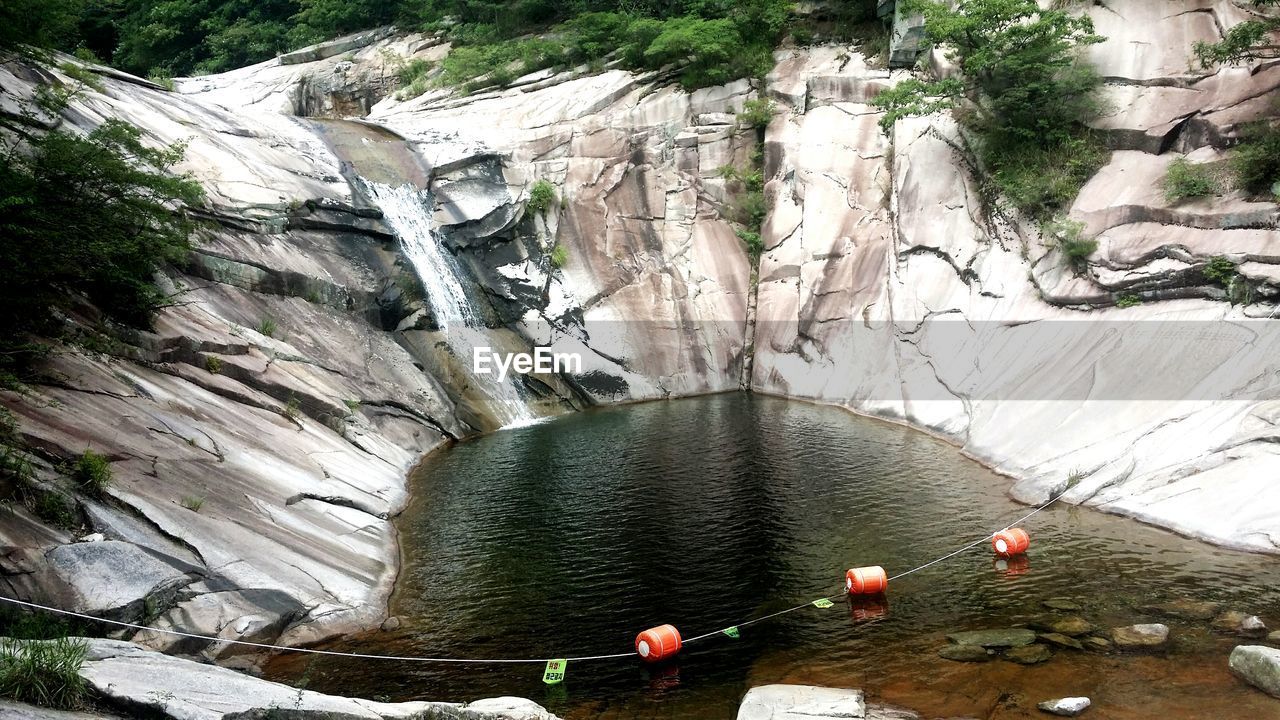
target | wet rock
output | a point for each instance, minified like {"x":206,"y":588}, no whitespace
{"x":1062,"y":640}
{"x":1071,"y":625}
{"x":965,"y":653}
{"x":1011,"y":637}
{"x":1147,"y":636}
{"x":1257,"y":665}
{"x":785,"y":702}
{"x":1093,"y":642}
{"x":391,"y":623}
{"x":1063,"y":605}
{"x":1239,"y":623}
{"x":1066,"y":707}
{"x":1028,"y":654}
{"x":1185,"y":609}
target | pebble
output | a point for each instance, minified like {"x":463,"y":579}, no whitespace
{"x":1066,"y":707}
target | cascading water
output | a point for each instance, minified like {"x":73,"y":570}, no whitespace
{"x":405,"y":209}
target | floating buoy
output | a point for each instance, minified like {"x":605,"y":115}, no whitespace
{"x":866,"y":580}
{"x":1008,"y":543}
{"x":658,"y":643}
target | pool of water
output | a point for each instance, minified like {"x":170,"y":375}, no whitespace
{"x":568,"y":537}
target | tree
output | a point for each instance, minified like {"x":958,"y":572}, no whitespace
{"x":1250,"y":40}
{"x":86,"y":215}
{"x":1019,"y":71}
{"x":38,"y":23}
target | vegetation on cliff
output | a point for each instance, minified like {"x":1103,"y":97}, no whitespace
{"x":1021,"y":90}
{"x":85,"y":217}
{"x":1249,"y":40}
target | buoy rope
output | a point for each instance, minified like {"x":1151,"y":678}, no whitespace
{"x":984,"y":539}
{"x":490,"y":661}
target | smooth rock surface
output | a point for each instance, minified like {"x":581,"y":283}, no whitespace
{"x":809,"y":702}
{"x":1143,"y":636}
{"x":140,"y":680}
{"x":1028,"y":654}
{"x":1257,"y":665}
{"x":965,"y":653}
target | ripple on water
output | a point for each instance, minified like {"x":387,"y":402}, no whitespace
{"x":570,"y":536}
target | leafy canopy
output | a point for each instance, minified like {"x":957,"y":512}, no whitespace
{"x":91,"y":215}
{"x":1249,"y":40}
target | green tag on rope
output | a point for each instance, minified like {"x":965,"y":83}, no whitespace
{"x":555,"y":671}
{"x":732,"y":632}
{"x":822,"y":603}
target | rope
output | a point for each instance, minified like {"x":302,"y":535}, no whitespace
{"x":918,"y":568}
{"x":502,"y":661}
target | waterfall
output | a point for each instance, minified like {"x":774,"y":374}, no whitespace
{"x":407,"y":211}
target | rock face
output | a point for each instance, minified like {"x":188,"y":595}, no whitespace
{"x":809,"y":702}
{"x":143,"y":682}
{"x":1259,"y":666}
{"x":302,"y":374}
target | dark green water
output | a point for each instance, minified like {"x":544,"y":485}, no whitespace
{"x":567,"y":538}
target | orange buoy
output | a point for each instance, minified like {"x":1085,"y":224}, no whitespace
{"x":658,"y":643}
{"x":1008,"y":543}
{"x":866,"y":580}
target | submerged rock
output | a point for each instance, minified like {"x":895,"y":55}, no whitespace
{"x":1093,"y":642}
{"x":1063,"y":604}
{"x":1011,"y":637}
{"x":1239,"y":623}
{"x":1062,"y":640}
{"x":1071,"y":625}
{"x":1257,"y":665}
{"x":1066,"y":707}
{"x":1185,"y":609}
{"x":1143,"y":636}
{"x":965,"y":653}
{"x":1028,"y":654}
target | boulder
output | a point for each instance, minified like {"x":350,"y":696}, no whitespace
{"x":1011,"y":637}
{"x":1257,"y":665}
{"x":113,"y":579}
{"x":1028,"y":654}
{"x":1066,"y":707}
{"x":1148,"y":636}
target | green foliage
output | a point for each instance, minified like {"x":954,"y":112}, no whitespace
{"x":1128,"y":300}
{"x":92,"y":472}
{"x":1256,"y":160}
{"x":413,"y":78}
{"x":39,"y":23}
{"x":559,"y":256}
{"x":92,"y":216}
{"x":1068,"y":236}
{"x":1022,"y":91}
{"x":213,"y":364}
{"x":753,"y":242}
{"x":1219,"y":270}
{"x":82,"y":75}
{"x":1185,"y":180}
{"x":21,"y":624}
{"x":1041,"y":179}
{"x":44,"y":673}
{"x":52,"y":507}
{"x":1249,"y":40}
{"x":292,"y":408}
{"x":757,"y":113}
{"x":542,"y":195}
{"x":192,"y":503}
{"x":162,"y":77}
{"x":267,"y":326}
